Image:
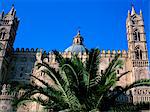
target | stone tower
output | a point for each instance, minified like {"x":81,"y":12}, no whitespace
{"x":137,"y":47}
{"x":137,"y":52}
{"x":8,"y":27}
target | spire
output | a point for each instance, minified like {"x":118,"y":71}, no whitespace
{"x":2,"y":14}
{"x":128,"y":13}
{"x":78,"y":34}
{"x":133,"y":10}
{"x":141,"y":13}
{"x":12,"y":11}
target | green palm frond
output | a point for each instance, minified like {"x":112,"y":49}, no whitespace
{"x":68,"y":96}
{"x":142,"y":82}
{"x":76,"y":86}
{"x":67,"y":66}
{"x":92,"y":63}
{"x":121,"y":75}
{"x":59,"y":58}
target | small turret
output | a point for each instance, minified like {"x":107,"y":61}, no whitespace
{"x":12,"y":11}
{"x":133,"y":10}
{"x":2,"y":14}
{"x":128,"y":13}
{"x":141,"y":13}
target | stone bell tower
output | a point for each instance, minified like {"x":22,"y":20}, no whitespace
{"x":137,"y":45}
{"x":137,"y":52}
{"x":8,"y":27}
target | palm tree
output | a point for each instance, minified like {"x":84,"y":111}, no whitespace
{"x":77,"y":86}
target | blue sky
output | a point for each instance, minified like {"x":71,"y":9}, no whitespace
{"x":52,"y":24}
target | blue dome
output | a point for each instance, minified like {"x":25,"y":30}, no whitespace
{"x":77,"y":45}
{"x":76,"y":48}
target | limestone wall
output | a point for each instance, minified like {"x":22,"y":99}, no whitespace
{"x":21,"y":64}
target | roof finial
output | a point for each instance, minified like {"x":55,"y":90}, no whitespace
{"x":128,"y":13}
{"x":141,"y":13}
{"x":133,"y":10}
{"x":78,"y":31}
{"x":12,"y":11}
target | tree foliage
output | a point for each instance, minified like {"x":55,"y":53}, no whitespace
{"x":78,"y":86}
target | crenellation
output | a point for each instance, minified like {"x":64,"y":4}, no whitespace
{"x":69,"y":54}
{"x":110,"y":54}
{"x":17,"y":50}
{"x":119,"y":52}
{"x":124,"y":54}
{"x":21,"y":92}
{"x":22,"y":49}
{"x":102,"y":54}
{"x":22,"y":61}
{"x":64,"y":54}
{"x":32,"y":49}
{"x":50,"y":57}
{"x":25,"y":50}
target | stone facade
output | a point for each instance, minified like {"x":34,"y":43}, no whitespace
{"x":16,"y":65}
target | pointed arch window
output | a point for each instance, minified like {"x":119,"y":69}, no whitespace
{"x":2,"y":33}
{"x":138,"y":53}
{"x":77,"y":41}
{"x":136,"y":35}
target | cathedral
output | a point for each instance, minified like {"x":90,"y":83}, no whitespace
{"x":16,"y":64}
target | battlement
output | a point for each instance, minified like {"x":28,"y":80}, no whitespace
{"x":109,"y":53}
{"x":22,"y":50}
{"x":50,"y":57}
{"x":103,"y":53}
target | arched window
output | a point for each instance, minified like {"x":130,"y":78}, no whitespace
{"x":139,"y":36}
{"x":138,"y":53}
{"x":2,"y":33}
{"x":136,"y":35}
{"x":77,"y":41}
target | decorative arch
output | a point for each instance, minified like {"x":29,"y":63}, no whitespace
{"x":138,"y":52}
{"x":136,"y":35}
